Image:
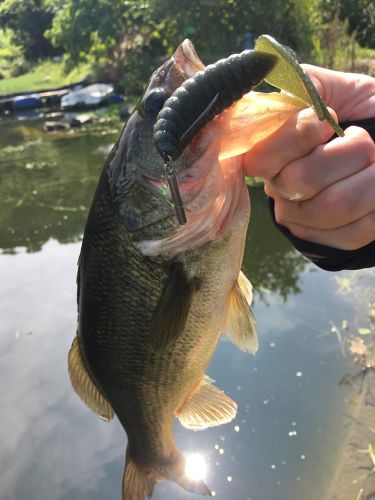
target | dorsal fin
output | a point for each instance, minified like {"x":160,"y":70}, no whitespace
{"x":84,"y":385}
{"x":206,"y":407}
{"x":172,"y":309}
{"x":240,"y":324}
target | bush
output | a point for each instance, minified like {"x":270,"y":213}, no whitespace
{"x":19,"y":67}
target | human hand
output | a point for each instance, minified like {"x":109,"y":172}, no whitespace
{"x":323,"y":192}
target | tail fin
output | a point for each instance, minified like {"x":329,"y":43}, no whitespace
{"x":139,"y":481}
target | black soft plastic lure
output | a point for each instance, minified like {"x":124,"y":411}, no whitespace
{"x":200,"y":98}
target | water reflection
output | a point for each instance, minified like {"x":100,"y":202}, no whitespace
{"x":270,"y":262}
{"x":46,"y":183}
{"x":46,"y":186}
{"x":286,"y":439}
{"x":196,"y":467}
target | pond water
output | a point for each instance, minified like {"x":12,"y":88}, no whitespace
{"x":284,"y":443}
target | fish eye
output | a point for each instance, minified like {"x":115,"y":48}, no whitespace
{"x":154,"y":101}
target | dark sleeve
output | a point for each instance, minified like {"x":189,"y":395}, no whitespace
{"x":328,"y":258}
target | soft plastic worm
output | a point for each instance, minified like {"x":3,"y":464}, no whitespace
{"x":200,"y":98}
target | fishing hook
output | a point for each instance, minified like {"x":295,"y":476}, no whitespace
{"x":170,"y":176}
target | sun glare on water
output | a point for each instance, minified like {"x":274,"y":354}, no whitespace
{"x":196,"y":467}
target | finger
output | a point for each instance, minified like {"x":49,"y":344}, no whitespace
{"x":305,"y":177}
{"x":352,"y":236}
{"x":296,"y":138}
{"x":351,"y":95}
{"x":338,"y":205}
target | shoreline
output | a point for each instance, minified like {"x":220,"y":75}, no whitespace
{"x":350,"y":481}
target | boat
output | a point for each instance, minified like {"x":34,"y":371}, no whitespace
{"x":30,"y":101}
{"x":92,"y":95}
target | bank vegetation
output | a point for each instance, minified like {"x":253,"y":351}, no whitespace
{"x":123,"y":40}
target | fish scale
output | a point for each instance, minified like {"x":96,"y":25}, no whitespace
{"x":149,"y":324}
{"x":127,"y":359}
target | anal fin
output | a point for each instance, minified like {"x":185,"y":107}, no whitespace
{"x":240,"y":324}
{"x":206,"y":407}
{"x":84,"y":385}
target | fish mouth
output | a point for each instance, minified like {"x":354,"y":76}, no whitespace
{"x":183,"y":64}
{"x":186,"y":59}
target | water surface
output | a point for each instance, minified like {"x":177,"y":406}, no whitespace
{"x":291,"y":422}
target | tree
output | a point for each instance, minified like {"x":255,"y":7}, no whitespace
{"x":125,"y":40}
{"x":84,"y":23}
{"x":360,"y":15}
{"x":119,"y":38}
{"x":28,"y":20}
{"x":221,"y":27}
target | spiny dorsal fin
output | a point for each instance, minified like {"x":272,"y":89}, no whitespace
{"x":84,"y":385}
{"x":206,"y":407}
{"x":240,"y":324}
{"x":172,"y":309}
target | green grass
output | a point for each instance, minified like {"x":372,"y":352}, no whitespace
{"x":47,"y":74}
{"x":364,"y":52}
{"x":365,"y":60}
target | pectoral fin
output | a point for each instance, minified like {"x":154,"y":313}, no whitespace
{"x":206,"y":407}
{"x":240,"y":325}
{"x":172,"y":309}
{"x":84,"y":385}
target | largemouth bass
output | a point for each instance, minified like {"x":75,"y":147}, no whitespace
{"x":154,"y":297}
